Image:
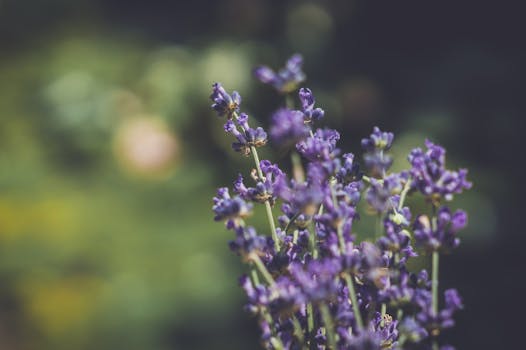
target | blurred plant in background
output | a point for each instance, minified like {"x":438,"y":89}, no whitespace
{"x":98,"y":204}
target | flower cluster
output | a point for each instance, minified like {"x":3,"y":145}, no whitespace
{"x":313,"y":282}
{"x":287,"y":79}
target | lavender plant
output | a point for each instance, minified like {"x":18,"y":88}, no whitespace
{"x":313,"y":283}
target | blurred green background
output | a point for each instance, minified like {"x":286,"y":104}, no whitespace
{"x":109,"y":155}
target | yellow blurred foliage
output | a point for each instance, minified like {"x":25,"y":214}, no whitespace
{"x":60,"y":306}
{"x":21,"y":217}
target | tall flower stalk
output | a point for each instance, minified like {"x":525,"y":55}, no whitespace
{"x":323,"y":287}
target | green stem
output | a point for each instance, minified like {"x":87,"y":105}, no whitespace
{"x":406,"y":189}
{"x":378,"y":226}
{"x":329,"y":325}
{"x":310,"y":319}
{"x":434,"y":275}
{"x":434,"y":282}
{"x":277,"y":344}
{"x":298,"y":331}
{"x":297,"y":168}
{"x":339,"y":229}
{"x":262,"y":269}
{"x":254,"y":276}
{"x":289,"y":101}
{"x":291,"y":222}
{"x":399,"y":315}
{"x":295,"y":236}
{"x":268,"y":208}
{"x":368,"y":179}
{"x":312,"y":241}
{"x":434,"y":268}
{"x":354,"y":300}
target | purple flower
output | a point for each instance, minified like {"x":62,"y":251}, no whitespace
{"x":288,"y":127}
{"x":431,"y":176}
{"x":307,"y":105}
{"x":286,"y":296}
{"x":257,"y":295}
{"x":378,"y":140}
{"x":380,"y":193}
{"x":231,"y":209}
{"x":413,"y":332}
{"x":247,"y":137}
{"x":321,"y":147}
{"x":396,"y":239}
{"x":368,"y":340}
{"x":434,"y":323}
{"x":337,"y":214}
{"x":286,"y":79}
{"x":248,"y":241}
{"x":444,"y":236}
{"x":375,"y":146}
{"x":301,"y":201}
{"x":349,"y":171}
{"x":265,"y":189}
{"x":317,"y":279}
{"x":386,"y":330}
{"x":405,"y":289}
{"x":224,"y":104}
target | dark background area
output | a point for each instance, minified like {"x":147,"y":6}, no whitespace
{"x":450,"y":71}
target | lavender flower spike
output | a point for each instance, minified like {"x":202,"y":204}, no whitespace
{"x":444,"y":236}
{"x":288,"y":127}
{"x":224,"y":104}
{"x":286,"y":79}
{"x":307,"y":104}
{"x":375,"y":156}
{"x":231,"y":209}
{"x":316,"y":282}
{"x":247,"y":137}
{"x":431,"y":176}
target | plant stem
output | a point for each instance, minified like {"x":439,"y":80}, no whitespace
{"x":277,"y":344}
{"x":312,"y":241}
{"x":289,"y":101}
{"x":298,"y":332}
{"x":434,"y":276}
{"x":262,"y":269}
{"x":310,"y":318}
{"x":268,"y":208}
{"x":254,"y":275}
{"x":354,"y":300}
{"x":339,"y":229}
{"x":406,"y":189}
{"x":399,"y":315}
{"x":434,"y":282}
{"x":329,"y":326}
{"x":297,"y":168}
{"x":368,"y":179}
{"x":378,"y":226}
